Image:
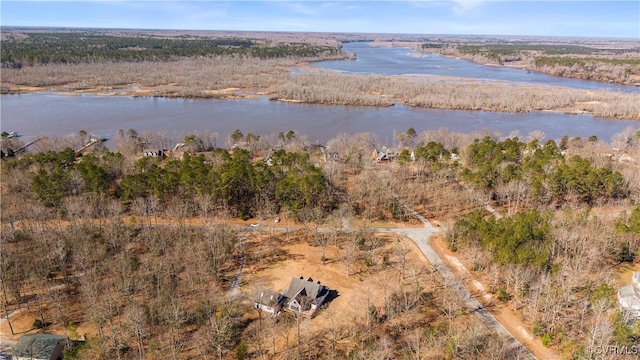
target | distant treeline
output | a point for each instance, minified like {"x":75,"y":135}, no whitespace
{"x":620,"y":65}
{"x":74,"y":48}
{"x":582,"y":62}
{"x":514,"y":49}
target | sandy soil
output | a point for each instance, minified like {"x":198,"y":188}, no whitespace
{"x":504,"y":314}
{"x":354,"y":291}
{"x":136,"y":90}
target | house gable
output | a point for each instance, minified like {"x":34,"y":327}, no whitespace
{"x":301,"y":296}
{"x":305,"y":295}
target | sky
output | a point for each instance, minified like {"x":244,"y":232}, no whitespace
{"x":586,"y":18}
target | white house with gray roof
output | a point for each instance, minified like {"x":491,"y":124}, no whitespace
{"x":269,"y":301}
{"x":629,"y":296}
{"x":304,"y":296}
{"x":301,"y":296}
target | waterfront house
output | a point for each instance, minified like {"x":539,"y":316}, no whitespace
{"x":153,"y":153}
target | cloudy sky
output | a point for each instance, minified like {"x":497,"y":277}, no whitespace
{"x":498,"y":17}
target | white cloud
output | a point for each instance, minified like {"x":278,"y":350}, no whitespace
{"x":462,"y":6}
{"x":302,"y":9}
{"x":299,"y":7}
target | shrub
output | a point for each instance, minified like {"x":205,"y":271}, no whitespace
{"x":241,"y":350}
{"x":503,"y":295}
{"x":39,"y":324}
{"x":539,"y":328}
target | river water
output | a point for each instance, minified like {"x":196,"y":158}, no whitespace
{"x":61,"y":115}
{"x":404,"y":61}
{"x":55,"y":115}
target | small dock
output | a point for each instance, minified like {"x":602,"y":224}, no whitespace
{"x":25,"y":146}
{"x":91,"y":142}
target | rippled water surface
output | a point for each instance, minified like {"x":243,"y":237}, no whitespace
{"x":56,"y":115}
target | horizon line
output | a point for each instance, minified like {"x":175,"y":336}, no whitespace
{"x":28,"y":27}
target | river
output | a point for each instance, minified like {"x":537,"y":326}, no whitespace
{"x":60,"y":115}
{"x":404,"y":61}
{"x":56,"y":115}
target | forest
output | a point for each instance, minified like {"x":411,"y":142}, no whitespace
{"x":43,"y":48}
{"x":138,"y":256}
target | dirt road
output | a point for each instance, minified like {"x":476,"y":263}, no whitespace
{"x":421,"y":237}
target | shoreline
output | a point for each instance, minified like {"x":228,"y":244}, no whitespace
{"x":136,"y":91}
{"x":316,"y":85}
{"x":519,"y":64}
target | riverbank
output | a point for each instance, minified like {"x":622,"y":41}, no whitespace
{"x":308,"y":81}
{"x":611,"y":70}
{"x":454,"y":93}
{"x":607,"y":70}
{"x":421,"y":91}
{"x":135,"y":90}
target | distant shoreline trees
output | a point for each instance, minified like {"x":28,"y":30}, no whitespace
{"x":221,"y":68}
{"x":42,"y":48}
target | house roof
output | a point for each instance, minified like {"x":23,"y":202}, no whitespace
{"x":297,"y":286}
{"x":37,"y":346}
{"x":628,"y":298}
{"x":385,"y":153}
{"x":268,"y":297}
{"x":629,"y":295}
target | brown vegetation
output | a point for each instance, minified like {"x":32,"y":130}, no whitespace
{"x":220,"y":77}
{"x":144,"y":279}
{"x":161,"y":292}
{"x":180,"y":78}
{"x":466,"y":95}
{"x":242,"y":76}
{"x":142,"y":257}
